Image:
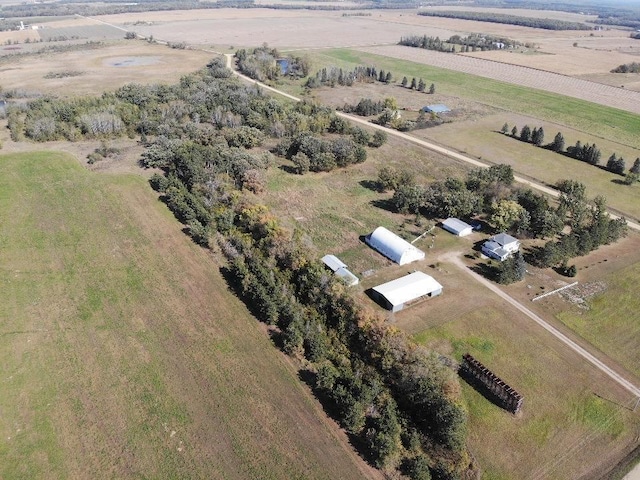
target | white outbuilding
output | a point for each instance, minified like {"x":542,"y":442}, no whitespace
{"x":333,"y":262}
{"x":404,"y":291}
{"x":457,"y":227}
{"x":393,"y":247}
{"x":339,"y":268}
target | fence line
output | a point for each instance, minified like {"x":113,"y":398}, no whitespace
{"x":554,"y":291}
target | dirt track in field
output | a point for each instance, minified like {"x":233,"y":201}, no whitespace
{"x":526,"y":77}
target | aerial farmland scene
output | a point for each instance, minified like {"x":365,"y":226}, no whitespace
{"x":307,"y":239}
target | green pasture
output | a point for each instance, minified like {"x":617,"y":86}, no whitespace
{"x":565,"y":420}
{"x":599,"y":121}
{"x":612,"y":321}
{"x":124,"y":354}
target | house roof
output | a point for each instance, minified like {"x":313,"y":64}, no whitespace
{"x":456,"y":226}
{"x":333,"y":262}
{"x":394,"y":247}
{"x":407,"y":288}
{"x":495,"y":248}
{"x":504,"y":239}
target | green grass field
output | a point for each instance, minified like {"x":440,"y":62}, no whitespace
{"x":123,"y":353}
{"x":568,"y":419}
{"x":596,"y":120}
{"x":611,"y":323}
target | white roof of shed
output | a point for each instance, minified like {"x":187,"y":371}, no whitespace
{"x":347,"y":276}
{"x":456,"y":226}
{"x":407,"y":288}
{"x":394,"y":247}
{"x":333,"y":262}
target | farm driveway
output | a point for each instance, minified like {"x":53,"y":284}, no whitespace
{"x":423,"y":143}
{"x":454,"y":257}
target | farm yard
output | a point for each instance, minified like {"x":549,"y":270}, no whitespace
{"x":183,"y":376}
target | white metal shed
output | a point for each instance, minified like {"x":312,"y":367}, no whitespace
{"x":457,"y":227}
{"x":399,"y":293}
{"x":333,"y":262}
{"x":393,"y":247}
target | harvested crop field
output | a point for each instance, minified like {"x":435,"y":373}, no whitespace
{"x":523,"y":76}
{"x":106,"y":67}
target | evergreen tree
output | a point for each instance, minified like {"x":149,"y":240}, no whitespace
{"x":404,"y":81}
{"x":421,"y":85}
{"x":538,"y":136}
{"x":558,"y":143}
{"x":432,"y":89}
{"x":505,"y":128}
{"x":414,"y":84}
{"x":511,"y":270}
{"x":514,"y":131}
{"x":525,"y":134}
{"x":592,"y":154}
{"x":576,"y":150}
{"x":388,"y":78}
{"x":636,"y":167}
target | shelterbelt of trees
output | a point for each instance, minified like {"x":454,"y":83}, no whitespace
{"x":545,"y":23}
{"x":400,"y":401}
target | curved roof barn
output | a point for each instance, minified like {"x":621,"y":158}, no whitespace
{"x":393,"y":247}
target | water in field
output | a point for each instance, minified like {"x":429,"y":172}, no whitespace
{"x":131,"y":61}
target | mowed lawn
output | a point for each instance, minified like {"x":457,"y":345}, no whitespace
{"x":597,"y":120}
{"x":123,"y":353}
{"x":612,"y":321}
{"x":575,"y":422}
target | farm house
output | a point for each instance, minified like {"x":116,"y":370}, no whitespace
{"x":403,"y":291}
{"x":393,"y":247}
{"x":340,"y":269}
{"x":500,"y":246}
{"x":457,"y":227}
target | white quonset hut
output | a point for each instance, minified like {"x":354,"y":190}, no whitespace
{"x":340,"y":269}
{"x":393,"y":247}
{"x":457,"y":227}
{"x":403,"y":291}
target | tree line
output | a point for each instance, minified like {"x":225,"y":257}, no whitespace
{"x":633,"y":67}
{"x":207,"y":135}
{"x":419,"y":85}
{"x":470,"y":43}
{"x":544,"y":23}
{"x":333,"y":76}
{"x":590,"y":225}
{"x":590,"y":154}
